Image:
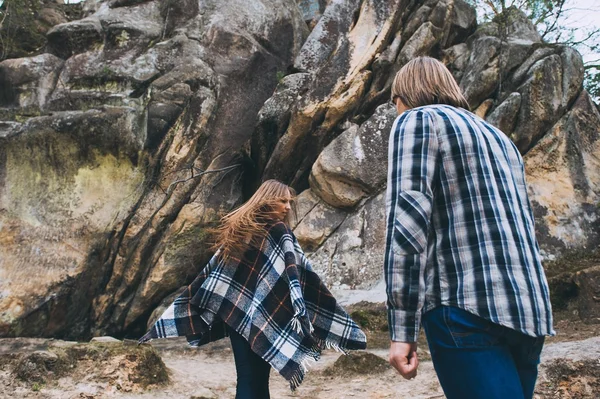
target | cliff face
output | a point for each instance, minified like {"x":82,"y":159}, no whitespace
{"x":143,"y":121}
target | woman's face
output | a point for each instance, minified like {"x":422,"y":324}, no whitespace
{"x":282,"y":207}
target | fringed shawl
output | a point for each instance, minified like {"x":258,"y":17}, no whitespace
{"x":272,"y":298}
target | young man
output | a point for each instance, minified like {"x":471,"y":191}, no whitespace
{"x":461,"y":254}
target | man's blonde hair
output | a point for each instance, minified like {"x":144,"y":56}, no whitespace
{"x":426,"y":81}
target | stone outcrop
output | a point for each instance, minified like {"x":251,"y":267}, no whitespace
{"x":25,"y":24}
{"x":138,"y":125}
{"x":514,"y":80}
{"x":588,"y":301}
{"x":354,"y":165}
{"x":563,"y":172}
{"x":111,"y":146}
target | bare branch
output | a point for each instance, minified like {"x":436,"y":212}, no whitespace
{"x":171,"y":187}
{"x":491,"y":5}
{"x":556,"y":17}
{"x":5,"y":14}
{"x":585,"y":40}
{"x":6,"y":11}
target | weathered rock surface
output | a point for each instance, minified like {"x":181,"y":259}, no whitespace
{"x":354,"y":165}
{"x":563,"y":173}
{"x":142,"y":122}
{"x":26,"y":23}
{"x":98,"y":204}
{"x":352,"y":257}
{"x":588,"y":284}
{"x":553,"y":83}
{"x":27,"y":82}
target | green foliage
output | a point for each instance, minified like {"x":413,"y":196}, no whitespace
{"x":592,"y":82}
{"x":24,"y":24}
{"x":280,"y":75}
{"x":538,"y":11}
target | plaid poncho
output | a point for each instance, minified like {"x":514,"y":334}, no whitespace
{"x":272,"y":298}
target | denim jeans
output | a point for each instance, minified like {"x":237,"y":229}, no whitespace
{"x":252,"y":370}
{"x":477,"y":359}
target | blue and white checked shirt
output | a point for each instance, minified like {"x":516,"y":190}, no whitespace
{"x":460,"y":231}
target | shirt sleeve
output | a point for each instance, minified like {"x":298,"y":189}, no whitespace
{"x":412,"y":169}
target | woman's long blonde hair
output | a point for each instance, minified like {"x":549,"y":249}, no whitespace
{"x":246,"y":226}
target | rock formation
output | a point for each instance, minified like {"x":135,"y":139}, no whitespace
{"x":100,"y":216}
{"x":142,"y":122}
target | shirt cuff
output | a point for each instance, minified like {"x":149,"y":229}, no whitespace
{"x":404,"y":325}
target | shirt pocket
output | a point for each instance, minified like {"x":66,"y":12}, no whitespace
{"x":411,"y":223}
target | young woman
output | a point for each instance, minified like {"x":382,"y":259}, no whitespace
{"x":260,"y":289}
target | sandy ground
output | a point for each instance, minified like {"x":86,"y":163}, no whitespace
{"x":209,"y":372}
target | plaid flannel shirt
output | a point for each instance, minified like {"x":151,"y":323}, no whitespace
{"x":460,"y":230}
{"x":273,"y":298}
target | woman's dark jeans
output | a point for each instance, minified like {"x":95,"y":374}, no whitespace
{"x":477,"y":359}
{"x":252,"y":370}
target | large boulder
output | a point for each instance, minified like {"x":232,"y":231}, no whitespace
{"x":551,"y":86}
{"x":588,"y":284}
{"x":354,"y":165}
{"x":318,"y":224}
{"x":26,"y":83}
{"x":25,"y":25}
{"x":105,"y":202}
{"x":504,"y":116}
{"x":337,"y":53}
{"x":563,"y":173}
{"x":351,"y":257}
{"x":353,"y":53}
{"x":496,"y":49}
{"x":76,"y":37}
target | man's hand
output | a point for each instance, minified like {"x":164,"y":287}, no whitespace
{"x":403,"y":357}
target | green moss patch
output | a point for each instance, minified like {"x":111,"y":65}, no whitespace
{"x":357,"y":363}
{"x":372,"y":319}
{"x":126,"y":366}
{"x":572,"y":262}
{"x":560,"y":274}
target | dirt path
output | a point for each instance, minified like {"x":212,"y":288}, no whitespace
{"x":570,"y":369}
{"x":209,"y":373}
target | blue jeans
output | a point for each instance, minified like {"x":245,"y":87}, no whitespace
{"x":477,"y":359}
{"x":252,"y":370}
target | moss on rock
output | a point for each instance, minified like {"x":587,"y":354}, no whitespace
{"x":372,"y":319}
{"x":561,"y":275}
{"x":357,"y":363}
{"x":120,"y":363}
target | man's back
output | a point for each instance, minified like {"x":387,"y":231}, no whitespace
{"x":481,"y":253}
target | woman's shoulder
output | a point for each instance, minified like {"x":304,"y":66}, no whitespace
{"x":279,"y":229}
